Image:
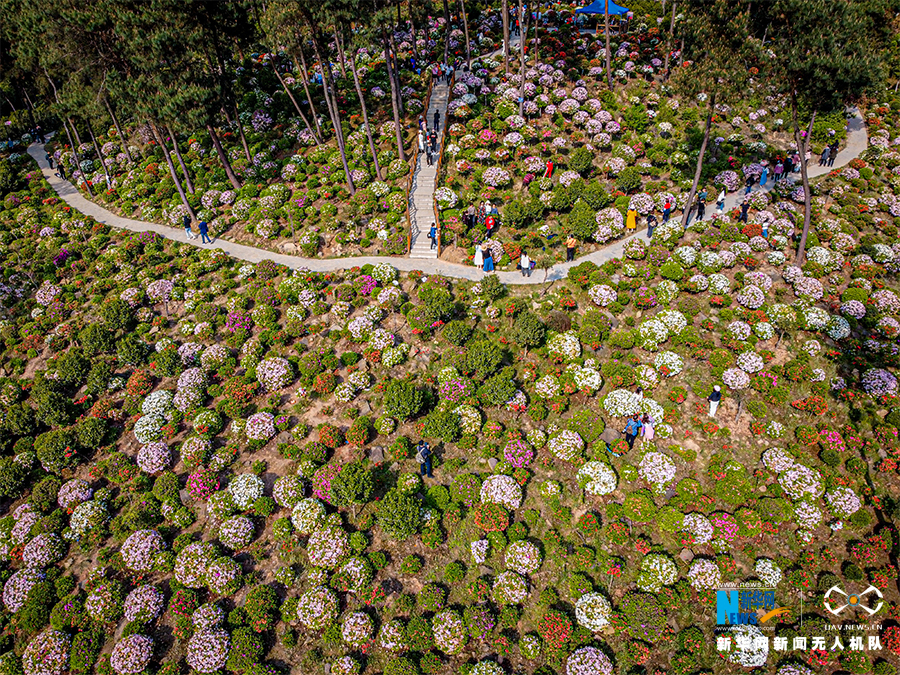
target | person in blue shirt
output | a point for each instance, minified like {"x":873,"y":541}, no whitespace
{"x":432,"y":234}
{"x":632,"y":429}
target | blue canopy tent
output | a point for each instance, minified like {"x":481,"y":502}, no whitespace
{"x":599,"y":7}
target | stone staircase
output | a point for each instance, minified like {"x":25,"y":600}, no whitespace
{"x":421,"y":195}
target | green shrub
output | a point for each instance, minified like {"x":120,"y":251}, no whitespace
{"x":457,"y":333}
{"x":443,"y":425}
{"x":580,"y":160}
{"x":403,"y":400}
{"x":628,"y":180}
{"x":398,"y":515}
{"x":672,"y":270}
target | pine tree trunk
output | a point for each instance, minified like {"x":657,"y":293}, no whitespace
{"x":447,"y":37}
{"x":697,"y":173}
{"x":87,"y":184}
{"x":294,"y":101}
{"x":412,"y":29}
{"x":523,"y":31}
{"x":608,"y":53}
{"x":802,"y":148}
{"x":240,"y":128}
{"x":365,"y":114}
{"x":312,"y":108}
{"x":394,"y":95}
{"x":172,"y":172}
{"x":75,"y":131}
{"x":340,"y":49}
{"x":100,"y":155}
{"x":217,"y":144}
{"x":122,"y":138}
{"x":465,"y":23}
{"x":396,"y":72}
{"x":505,"y":11}
{"x":669,"y":41}
{"x":184,"y":169}
{"x":331,"y":102}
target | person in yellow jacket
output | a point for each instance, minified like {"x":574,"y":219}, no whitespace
{"x":631,"y":220}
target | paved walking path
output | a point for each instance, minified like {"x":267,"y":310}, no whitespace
{"x":857,"y":141}
{"x":425,"y":178}
{"x":421,"y":196}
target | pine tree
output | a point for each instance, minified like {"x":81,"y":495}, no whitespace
{"x":718,"y":49}
{"x":821,"y":55}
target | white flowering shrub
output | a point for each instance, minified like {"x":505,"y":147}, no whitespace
{"x":704,"y":575}
{"x":503,"y":490}
{"x":597,"y":478}
{"x":658,"y":470}
{"x":523,"y":557}
{"x":768,"y":571}
{"x":656,"y":571}
{"x":566,"y":445}
{"x":509,"y":588}
{"x":565,"y":346}
{"x":245,"y":489}
{"x":450,"y":635}
{"x":593,"y":611}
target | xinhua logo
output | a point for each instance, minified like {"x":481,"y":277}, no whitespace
{"x":739,"y":607}
{"x":837,"y":600}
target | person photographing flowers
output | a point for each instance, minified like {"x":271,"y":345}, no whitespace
{"x":423,"y":457}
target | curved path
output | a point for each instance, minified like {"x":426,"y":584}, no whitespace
{"x":857,"y":141}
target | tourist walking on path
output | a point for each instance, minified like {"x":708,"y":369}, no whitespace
{"x":423,"y":457}
{"x":432,"y":234}
{"x":525,"y":264}
{"x":779,"y":168}
{"x":478,"y":260}
{"x":824,"y":159}
{"x":701,"y":209}
{"x":631,"y":220}
{"x":745,"y":207}
{"x":437,"y":120}
{"x":571,"y":243}
{"x":488,"y":260}
{"x":833,"y":154}
{"x":651,"y":224}
{"x":714,"y":399}
{"x":421,"y":141}
{"x":632,"y":429}
{"x":764,"y":176}
{"x":720,"y":201}
{"x":49,"y":159}
{"x":204,"y":239}
{"x":667,"y":211}
{"x":187,"y":227}
{"x":548,"y":173}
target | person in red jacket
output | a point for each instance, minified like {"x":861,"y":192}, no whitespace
{"x":549,"y":172}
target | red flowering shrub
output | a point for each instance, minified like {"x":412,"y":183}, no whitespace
{"x":555,"y":629}
{"x":490,"y":517}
